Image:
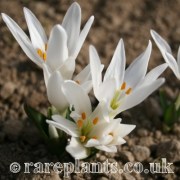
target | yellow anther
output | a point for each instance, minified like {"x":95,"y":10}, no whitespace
{"x":94,"y":137}
{"x":123,"y":86}
{"x":77,"y":82}
{"x":83,"y":115}
{"x":79,"y":123}
{"x":95,"y":120}
{"x":40,"y":52}
{"x":44,"y":56}
{"x":111,"y":133}
{"x":46,"y":47}
{"x":129,"y":91}
{"x":82,"y":138}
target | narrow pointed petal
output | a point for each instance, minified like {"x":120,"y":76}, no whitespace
{"x":65,"y":125}
{"x":77,"y":150}
{"x":107,"y":148}
{"x":118,"y":141}
{"x":153,"y":74}
{"x":125,"y":129}
{"x":38,"y":36}
{"x":77,"y":97}
{"x":140,"y":95}
{"x":54,"y":91}
{"x":138,"y":68}
{"x":161,"y":43}
{"x":172,"y":64}
{"x":116,"y":68}
{"x":82,"y":36}
{"x":84,"y":75}
{"x":46,"y":73}
{"x":71,"y":23}
{"x":22,"y":39}
{"x":57,"y":51}
{"x":96,"y":69}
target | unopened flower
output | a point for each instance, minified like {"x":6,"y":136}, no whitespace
{"x":120,"y":88}
{"x":63,"y":46}
{"x":167,"y":53}
{"x":89,"y":129}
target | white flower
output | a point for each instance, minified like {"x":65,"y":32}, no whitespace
{"x":54,"y":82}
{"x":89,"y":129}
{"x":64,"y":44}
{"x":167,"y":53}
{"x":120,"y":88}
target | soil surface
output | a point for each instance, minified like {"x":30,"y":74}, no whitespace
{"x":22,"y":81}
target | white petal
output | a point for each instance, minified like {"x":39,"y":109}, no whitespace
{"x":65,"y":125}
{"x":161,"y":43}
{"x":125,"y":129}
{"x":87,"y":86}
{"x":84,"y":79}
{"x":116,"y":68}
{"x":77,"y":150}
{"x":71,"y":23}
{"x":106,"y":91}
{"x":92,"y":143}
{"x":84,"y":75}
{"x":105,"y":140}
{"x":138,"y":68}
{"x":153,"y":75}
{"x":53,"y":132}
{"x":140,"y":95}
{"x":75,"y":115}
{"x":22,"y":39}
{"x":54,"y":91}
{"x":67,"y":68}
{"x":83,"y":35}
{"x":57,"y":51}
{"x":101,"y":112}
{"x":96,"y":69}
{"x":77,"y":97}
{"x":172,"y":64}
{"x":107,"y":148}
{"x":38,"y":36}
{"x":47,"y":73}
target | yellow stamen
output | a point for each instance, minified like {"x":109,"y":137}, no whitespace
{"x":95,"y":120}
{"x":77,"y":82}
{"x":40,"y":52}
{"x":83,"y":115}
{"x":46,"y":47}
{"x":111,"y":133}
{"x":79,"y":123}
{"x":129,"y":91}
{"x":94,"y":137}
{"x":82,"y":138}
{"x":44,"y":56}
{"x":123,"y":86}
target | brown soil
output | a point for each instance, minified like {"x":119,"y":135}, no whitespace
{"x":21,"y":80}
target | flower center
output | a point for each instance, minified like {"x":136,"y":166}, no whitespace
{"x":119,"y":95}
{"x":42,"y":54}
{"x":85,"y":126}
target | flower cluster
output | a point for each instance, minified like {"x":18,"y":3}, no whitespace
{"x":118,"y":90}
